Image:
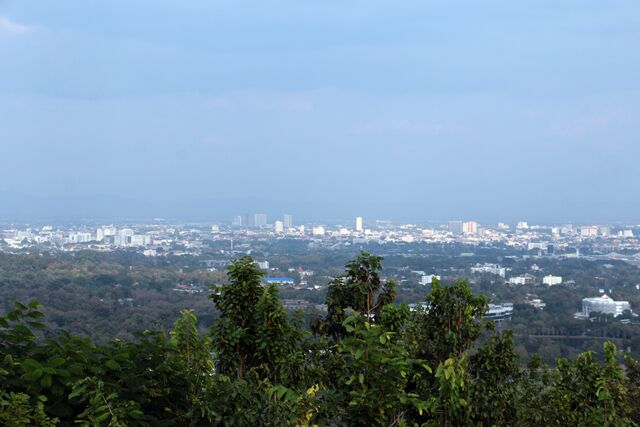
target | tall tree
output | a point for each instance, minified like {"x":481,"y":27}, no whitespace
{"x":360,"y":289}
{"x":253,"y":331}
{"x":449,"y":323}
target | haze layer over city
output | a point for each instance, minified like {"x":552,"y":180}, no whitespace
{"x":335,"y":213}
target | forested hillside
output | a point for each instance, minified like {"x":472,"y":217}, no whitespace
{"x":366,"y":362}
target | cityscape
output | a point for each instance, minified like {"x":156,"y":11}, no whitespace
{"x":309,"y":214}
{"x":601,"y":242}
{"x":233,"y":239}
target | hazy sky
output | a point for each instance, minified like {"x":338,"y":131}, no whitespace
{"x":402,"y":109}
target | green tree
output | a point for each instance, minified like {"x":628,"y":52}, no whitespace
{"x":360,"y":289}
{"x":372,"y":388}
{"x":495,"y":374}
{"x":449,"y":323}
{"x":253,"y":331}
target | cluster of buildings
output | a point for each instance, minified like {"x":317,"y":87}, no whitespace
{"x":593,"y":241}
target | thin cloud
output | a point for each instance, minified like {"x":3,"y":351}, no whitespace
{"x":9,"y":26}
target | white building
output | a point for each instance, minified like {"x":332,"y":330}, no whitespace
{"x":590,"y":231}
{"x":603,"y":304}
{"x":470,"y":227}
{"x":260,"y":220}
{"x":123,"y":237}
{"x":551,"y":280}
{"x":140,"y":240}
{"x":626,"y":233}
{"x":288,"y":221}
{"x":318,"y":231}
{"x":499,"y":312}
{"x":359,"y":226}
{"x":541,"y":246}
{"x":456,"y":227}
{"x":527,"y":279}
{"x":79,"y":237}
{"x":427,"y":279}
{"x":264,"y":265}
{"x":605,"y":231}
{"x":489,"y":269}
{"x":278,"y":226}
{"x":109,"y":231}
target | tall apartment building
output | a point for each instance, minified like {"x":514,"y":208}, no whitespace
{"x":260,"y":220}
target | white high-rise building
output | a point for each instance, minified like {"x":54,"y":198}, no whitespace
{"x":278,"y":226}
{"x":123,"y":237}
{"x":359,"y":226}
{"x":456,"y":227}
{"x":318,"y":231}
{"x":470,"y":227}
{"x":288,"y":220}
{"x":99,"y":235}
{"x":260,"y":220}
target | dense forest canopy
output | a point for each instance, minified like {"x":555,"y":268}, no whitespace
{"x":367,"y":361}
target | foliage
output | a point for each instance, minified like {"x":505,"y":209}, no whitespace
{"x":450,"y":323}
{"x":381,"y":365}
{"x":19,"y":410}
{"x":494,"y":372}
{"x":376,"y":372}
{"x":360,"y":289}
{"x":253,"y":331}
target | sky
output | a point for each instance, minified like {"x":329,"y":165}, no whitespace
{"x":408,"y":110}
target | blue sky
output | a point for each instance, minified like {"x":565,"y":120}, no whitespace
{"x":495,"y":110}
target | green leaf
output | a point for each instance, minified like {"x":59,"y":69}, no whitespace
{"x":56,"y":361}
{"x":31,"y":364}
{"x":46,"y":381}
{"x":113,"y":365}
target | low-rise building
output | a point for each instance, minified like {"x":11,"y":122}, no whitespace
{"x":489,"y":269}
{"x":604,"y":304}
{"x":499,"y":312}
{"x":551,"y":280}
{"x":279,"y":280}
{"x":526,"y":279}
